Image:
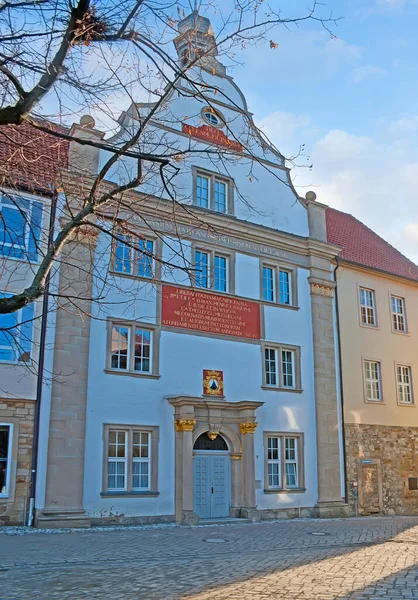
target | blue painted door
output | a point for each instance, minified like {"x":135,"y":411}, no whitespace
{"x":212,"y":485}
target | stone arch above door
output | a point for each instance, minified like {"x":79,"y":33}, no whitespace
{"x":231,"y":438}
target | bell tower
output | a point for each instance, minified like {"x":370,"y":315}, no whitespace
{"x":197,"y":39}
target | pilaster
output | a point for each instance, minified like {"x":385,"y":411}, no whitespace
{"x":249,"y":510}
{"x":65,"y":459}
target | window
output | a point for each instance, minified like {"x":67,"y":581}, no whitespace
{"x":6,"y":436}
{"x":130,"y":459}
{"x":372,"y":381}
{"x":134,"y":257}
{"x":212,"y":271}
{"x":20,"y":227}
{"x":212,"y":117}
{"x":276,"y":279}
{"x":398,"y":314}
{"x":132,"y":348}
{"x":283,"y":461}
{"x":281,"y":367}
{"x":367,"y":307}
{"x":16,"y":334}
{"x":213,"y":191}
{"x":404,"y":384}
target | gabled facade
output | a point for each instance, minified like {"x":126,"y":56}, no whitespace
{"x":28,"y":160}
{"x":203,"y":384}
{"x":377,"y":291}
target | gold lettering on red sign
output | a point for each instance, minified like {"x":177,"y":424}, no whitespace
{"x":212,"y":135}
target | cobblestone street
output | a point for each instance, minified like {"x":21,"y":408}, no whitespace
{"x":309,"y":560}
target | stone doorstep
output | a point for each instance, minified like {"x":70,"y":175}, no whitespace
{"x":50,"y":519}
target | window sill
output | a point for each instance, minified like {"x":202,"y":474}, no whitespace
{"x":376,"y":327}
{"x":132,"y":374}
{"x":271,"y":388}
{"x":4,"y":497}
{"x":132,"y":276}
{"x":378,"y":402}
{"x":407,"y":404}
{"x":401,"y":332}
{"x":279,"y":305}
{"x":144,"y":494}
{"x":212,"y":210}
{"x":285,"y":491}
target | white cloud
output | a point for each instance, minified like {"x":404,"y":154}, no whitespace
{"x":376,"y":181}
{"x":286,"y":130}
{"x":362,"y":73}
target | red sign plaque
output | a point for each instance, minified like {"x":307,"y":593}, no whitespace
{"x":211,"y":135}
{"x":211,"y":313}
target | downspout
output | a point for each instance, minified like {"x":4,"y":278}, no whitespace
{"x":41,"y":363}
{"x":341,"y":382}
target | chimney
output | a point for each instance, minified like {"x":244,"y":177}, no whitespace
{"x":84,"y":158}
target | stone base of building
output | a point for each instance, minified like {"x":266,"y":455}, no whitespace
{"x":383,"y":461}
{"x":331,"y":510}
{"x":128,"y":521}
{"x":62,"y":519}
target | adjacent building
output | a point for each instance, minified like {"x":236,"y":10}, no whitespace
{"x":29,"y":159}
{"x":377,"y":289}
{"x":203,"y":384}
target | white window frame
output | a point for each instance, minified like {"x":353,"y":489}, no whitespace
{"x":399,"y":324}
{"x":366,"y":308}
{"x":401,"y":386}
{"x":212,"y":254}
{"x":212,"y":178}
{"x":118,"y":460}
{"x":276,"y":270}
{"x":129,"y":460}
{"x":282,"y":461}
{"x":12,"y":202}
{"x":366,"y":379}
{"x":7,"y":492}
{"x":275,"y":461}
{"x":278,"y":350}
{"x":133,"y":256}
{"x":132,"y":326}
{"x":16,"y":345}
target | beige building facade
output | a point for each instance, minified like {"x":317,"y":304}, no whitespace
{"x":378,"y":331}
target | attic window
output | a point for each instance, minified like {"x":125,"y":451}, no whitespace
{"x":212,"y":117}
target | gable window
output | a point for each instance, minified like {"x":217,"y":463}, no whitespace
{"x":212,"y":270}
{"x":6,"y":436}
{"x":283,"y":461}
{"x":133,"y":348}
{"x":16,"y":334}
{"x":130,"y":460}
{"x":20,"y":228}
{"x":404,"y":384}
{"x":277,"y":285}
{"x":372,"y":377}
{"x":367,"y":307}
{"x":134,"y":257}
{"x":398,"y":314}
{"x":213,"y":191}
{"x":212,"y":117}
{"x":281,"y":367}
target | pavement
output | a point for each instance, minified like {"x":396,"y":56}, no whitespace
{"x":307,"y":559}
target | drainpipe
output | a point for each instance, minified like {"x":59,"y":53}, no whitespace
{"x":41,"y":362}
{"x":341,"y":383}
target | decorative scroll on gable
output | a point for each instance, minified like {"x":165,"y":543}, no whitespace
{"x":211,"y":135}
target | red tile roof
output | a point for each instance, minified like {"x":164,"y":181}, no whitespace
{"x":29,"y":158}
{"x":362,"y":246}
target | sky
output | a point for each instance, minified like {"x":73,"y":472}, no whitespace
{"x":353,"y":102}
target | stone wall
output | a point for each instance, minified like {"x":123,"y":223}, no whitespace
{"x":20,"y":413}
{"x":382,"y":459}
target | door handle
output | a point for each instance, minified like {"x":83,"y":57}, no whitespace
{"x":212,"y":490}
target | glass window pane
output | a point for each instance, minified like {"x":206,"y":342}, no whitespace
{"x":119,"y":347}
{"x":202,"y":191}
{"x":145,"y":258}
{"x":270,"y":366}
{"x":123,"y":255}
{"x":4,"y":457}
{"x":268,"y":284}
{"x":287,"y":368}
{"x":220,"y":274}
{"x":284,"y":283}
{"x":201,"y":269}
{"x":220,"y":196}
{"x":142,"y":350}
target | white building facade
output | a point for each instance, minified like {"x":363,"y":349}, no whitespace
{"x":203,"y":385}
